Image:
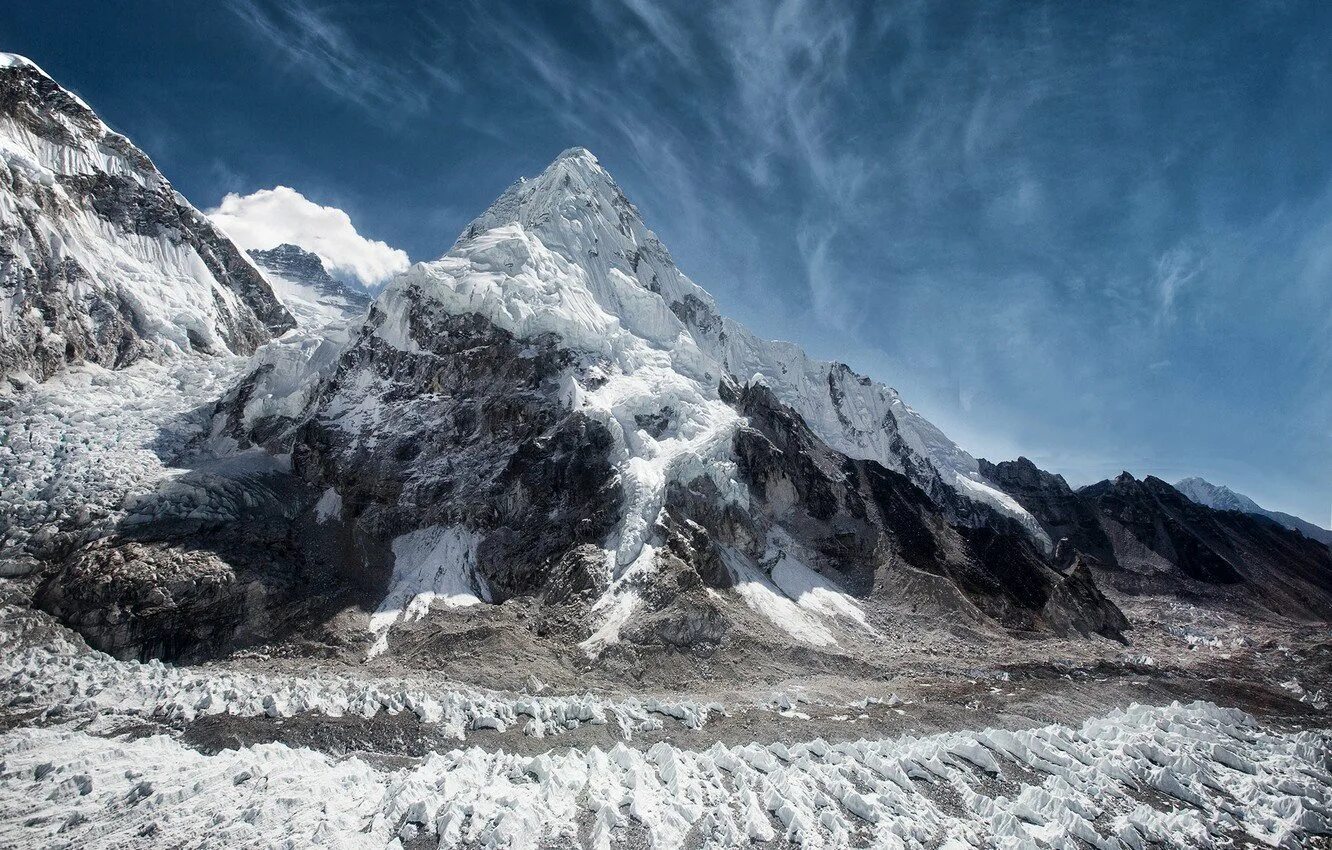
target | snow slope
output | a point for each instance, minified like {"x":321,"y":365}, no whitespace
{"x":304,"y":286}
{"x":1223,"y":498}
{"x":100,"y":259}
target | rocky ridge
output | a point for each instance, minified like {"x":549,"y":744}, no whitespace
{"x":1146,"y":537}
{"x":100,"y":259}
{"x":1222,"y":498}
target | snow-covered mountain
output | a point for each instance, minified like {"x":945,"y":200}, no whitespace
{"x":619,"y":283}
{"x":306,"y":289}
{"x":552,"y":410}
{"x":100,"y":259}
{"x":1222,"y":498}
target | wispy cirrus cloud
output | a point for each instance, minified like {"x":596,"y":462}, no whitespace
{"x":1175,"y":270}
{"x":327,"y":47}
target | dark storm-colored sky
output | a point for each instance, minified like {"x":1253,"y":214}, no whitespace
{"x":1097,"y":234}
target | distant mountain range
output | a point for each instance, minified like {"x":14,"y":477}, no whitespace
{"x":1223,"y":498}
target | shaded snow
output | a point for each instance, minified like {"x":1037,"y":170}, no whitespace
{"x":329,"y":506}
{"x":810,"y":589}
{"x":78,"y":449}
{"x":765,"y":597}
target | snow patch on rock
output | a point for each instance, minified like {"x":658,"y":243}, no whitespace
{"x":430,"y":565}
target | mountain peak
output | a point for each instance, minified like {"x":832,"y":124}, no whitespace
{"x":1218,"y":496}
{"x":293,"y":261}
{"x":116,"y":265}
{"x":576,"y":205}
{"x":580,"y":153}
{"x":10,"y":60}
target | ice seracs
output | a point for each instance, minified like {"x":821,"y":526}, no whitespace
{"x":1180,"y":776}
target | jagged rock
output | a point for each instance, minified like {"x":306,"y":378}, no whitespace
{"x":163,"y":600}
{"x":474,"y":433}
{"x":1064,"y":514}
{"x":100,"y":259}
{"x":1147,"y":537}
{"x":863,"y":526}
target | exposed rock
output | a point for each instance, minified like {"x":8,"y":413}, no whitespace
{"x":865,"y":527}
{"x":1147,"y":537}
{"x":159,"y":600}
{"x":100,"y":259}
{"x":471,"y":430}
{"x":1063,"y":513}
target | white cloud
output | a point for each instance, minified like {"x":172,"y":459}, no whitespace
{"x":270,"y":217}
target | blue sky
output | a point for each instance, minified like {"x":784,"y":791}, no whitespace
{"x":1097,"y":234}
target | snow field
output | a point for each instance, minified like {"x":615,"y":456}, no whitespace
{"x":77,"y":449}
{"x":1175,"y":776}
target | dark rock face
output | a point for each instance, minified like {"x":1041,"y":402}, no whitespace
{"x":186,"y":580}
{"x":156,"y":600}
{"x":875,"y":533}
{"x":478,"y":436}
{"x":1164,"y":526}
{"x":1062,"y":512}
{"x":1147,"y":537}
{"x":48,"y":324}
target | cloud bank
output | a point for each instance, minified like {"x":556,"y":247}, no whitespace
{"x":270,"y":217}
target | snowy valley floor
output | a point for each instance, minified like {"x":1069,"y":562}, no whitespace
{"x":103,"y":753}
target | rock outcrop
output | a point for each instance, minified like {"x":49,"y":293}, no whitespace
{"x":100,"y":259}
{"x":1144,"y":536}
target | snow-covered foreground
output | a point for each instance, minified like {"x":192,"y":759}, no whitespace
{"x":1178,"y":776}
{"x":73,"y":774}
{"x":97,"y":690}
